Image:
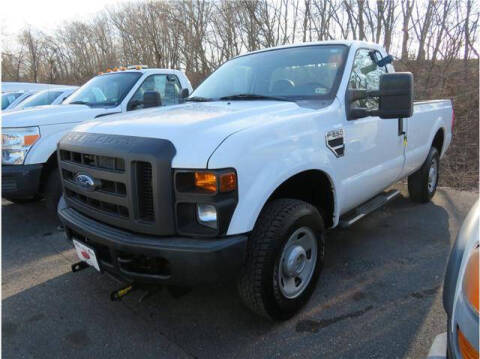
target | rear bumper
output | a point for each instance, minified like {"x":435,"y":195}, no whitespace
{"x":21,"y":181}
{"x":150,"y":259}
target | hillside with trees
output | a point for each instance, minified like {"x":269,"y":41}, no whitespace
{"x":436,"y":40}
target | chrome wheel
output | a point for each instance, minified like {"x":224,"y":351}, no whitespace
{"x":297,"y":263}
{"x":432,"y":175}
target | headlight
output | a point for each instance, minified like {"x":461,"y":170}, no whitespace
{"x":206,"y":182}
{"x":205,"y":201}
{"x":16,"y":142}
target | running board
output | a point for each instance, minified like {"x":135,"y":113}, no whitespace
{"x":376,"y":202}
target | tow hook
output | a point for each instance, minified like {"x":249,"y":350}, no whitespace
{"x":117,"y":295}
{"x":77,"y":267}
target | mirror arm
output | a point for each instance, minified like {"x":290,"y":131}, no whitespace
{"x":363,"y":112}
{"x":355,"y":95}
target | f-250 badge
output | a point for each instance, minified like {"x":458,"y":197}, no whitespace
{"x":334,"y":141}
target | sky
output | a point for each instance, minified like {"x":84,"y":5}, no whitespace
{"x":46,"y":15}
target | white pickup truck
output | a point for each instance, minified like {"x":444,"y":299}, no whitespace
{"x":30,"y":136}
{"x":242,"y":181}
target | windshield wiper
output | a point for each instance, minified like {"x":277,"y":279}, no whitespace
{"x":79,"y":103}
{"x":198,"y":99}
{"x":252,"y":96}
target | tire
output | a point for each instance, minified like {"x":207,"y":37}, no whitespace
{"x":261,"y":283}
{"x":53,"y":190}
{"x":422,"y":184}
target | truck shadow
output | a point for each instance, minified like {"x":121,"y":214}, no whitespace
{"x":379,"y":282}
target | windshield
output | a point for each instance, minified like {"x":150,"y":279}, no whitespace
{"x":306,"y":72}
{"x":8,"y":98}
{"x":42,"y":98}
{"x":105,"y":90}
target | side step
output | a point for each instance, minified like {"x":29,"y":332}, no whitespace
{"x":376,"y":202}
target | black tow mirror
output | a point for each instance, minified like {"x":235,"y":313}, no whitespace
{"x":185,"y":93}
{"x":151,"y":99}
{"x":395,"y":97}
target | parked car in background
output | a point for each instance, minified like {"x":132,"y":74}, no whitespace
{"x":461,"y":294}
{"x":242,"y":182}
{"x":12,"y":99}
{"x":27,"y":86}
{"x":29,"y":137}
{"x":52,"y":96}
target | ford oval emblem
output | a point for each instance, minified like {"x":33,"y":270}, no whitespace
{"x":85,"y":181}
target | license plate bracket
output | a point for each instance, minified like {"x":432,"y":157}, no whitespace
{"x":86,"y":254}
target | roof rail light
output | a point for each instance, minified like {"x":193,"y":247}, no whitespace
{"x":137,"y":67}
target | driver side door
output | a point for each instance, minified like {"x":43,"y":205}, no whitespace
{"x":374,"y":149}
{"x":167,"y":86}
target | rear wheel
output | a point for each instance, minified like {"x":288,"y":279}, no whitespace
{"x":285,"y":255}
{"x":422,"y":184}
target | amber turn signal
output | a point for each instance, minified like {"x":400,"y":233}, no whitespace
{"x":470,"y":279}
{"x":228,"y":182}
{"x":206,"y":181}
{"x":467,"y":350}
{"x":30,"y":139}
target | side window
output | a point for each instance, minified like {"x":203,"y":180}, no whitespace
{"x":366,"y":76}
{"x":167,"y":86}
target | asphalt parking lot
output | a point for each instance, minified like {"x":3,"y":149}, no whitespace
{"x":379,"y":296}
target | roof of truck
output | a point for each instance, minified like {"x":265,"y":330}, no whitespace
{"x":349,"y":43}
{"x":147,"y":71}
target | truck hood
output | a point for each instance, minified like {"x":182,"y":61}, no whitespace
{"x":51,"y":115}
{"x":195,"y":129}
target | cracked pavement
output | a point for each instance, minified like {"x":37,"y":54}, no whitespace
{"x":379,"y":296}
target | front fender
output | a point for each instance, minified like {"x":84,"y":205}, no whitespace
{"x":266,"y":157}
{"x":47,"y":144}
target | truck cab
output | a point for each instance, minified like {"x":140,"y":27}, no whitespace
{"x":30,"y":136}
{"x":243,"y":180}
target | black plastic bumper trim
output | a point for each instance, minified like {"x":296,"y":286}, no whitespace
{"x":21,"y":181}
{"x":191,"y":261}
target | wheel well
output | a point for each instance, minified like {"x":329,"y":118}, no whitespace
{"x":49,"y":166}
{"x":312,"y":186}
{"x":438,"y":141}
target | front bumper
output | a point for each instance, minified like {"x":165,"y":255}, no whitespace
{"x":151,"y":259}
{"x":21,"y":181}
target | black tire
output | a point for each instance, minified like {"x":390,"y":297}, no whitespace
{"x":53,"y":190}
{"x":418,"y":182}
{"x":258,"y":284}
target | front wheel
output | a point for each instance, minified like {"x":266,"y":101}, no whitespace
{"x":285,"y":255}
{"x":23,"y":200}
{"x":422,"y":184}
{"x":53,"y":191}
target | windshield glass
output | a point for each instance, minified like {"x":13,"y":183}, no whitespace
{"x":105,"y":90}
{"x":309,"y":72}
{"x":8,"y":98}
{"x":42,"y":98}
